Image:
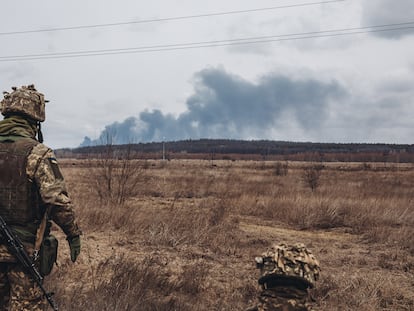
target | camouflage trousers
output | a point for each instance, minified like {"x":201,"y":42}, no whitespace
{"x":18,"y":292}
{"x":283,"y":299}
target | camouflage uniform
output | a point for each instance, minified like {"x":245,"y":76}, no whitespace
{"x":283,"y":299}
{"x":24,"y":294}
{"x":17,"y":290}
{"x":287,"y":271}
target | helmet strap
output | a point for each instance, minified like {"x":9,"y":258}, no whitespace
{"x":39,"y":133}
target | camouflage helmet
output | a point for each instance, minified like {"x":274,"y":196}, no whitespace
{"x":24,"y":100}
{"x":288,"y":263}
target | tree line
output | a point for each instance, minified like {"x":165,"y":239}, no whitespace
{"x":257,"y":149}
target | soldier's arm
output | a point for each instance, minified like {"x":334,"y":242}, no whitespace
{"x":42,"y":165}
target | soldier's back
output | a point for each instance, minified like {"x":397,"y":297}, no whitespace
{"x":283,"y":299}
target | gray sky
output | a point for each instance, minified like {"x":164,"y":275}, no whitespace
{"x":341,"y":88}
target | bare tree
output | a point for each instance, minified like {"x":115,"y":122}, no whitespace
{"x":281,"y":169}
{"x":311,"y":176}
{"x":116,"y":174}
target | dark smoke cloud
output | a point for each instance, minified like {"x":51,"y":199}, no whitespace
{"x":227,"y":106}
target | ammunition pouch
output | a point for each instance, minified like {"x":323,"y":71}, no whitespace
{"x":48,"y":254}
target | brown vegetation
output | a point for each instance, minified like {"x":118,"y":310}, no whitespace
{"x":185,"y":239}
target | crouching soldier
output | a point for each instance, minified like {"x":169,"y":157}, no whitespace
{"x":286,"y":274}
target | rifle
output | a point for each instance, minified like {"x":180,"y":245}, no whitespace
{"x":16,"y":247}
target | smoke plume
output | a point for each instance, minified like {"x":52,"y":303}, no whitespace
{"x":224,"y":105}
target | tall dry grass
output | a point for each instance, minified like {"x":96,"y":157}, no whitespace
{"x":180,"y":243}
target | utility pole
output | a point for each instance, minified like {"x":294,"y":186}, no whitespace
{"x":163,"y":149}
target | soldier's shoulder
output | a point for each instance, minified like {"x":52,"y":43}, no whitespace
{"x":36,"y":156}
{"x":40,"y":151}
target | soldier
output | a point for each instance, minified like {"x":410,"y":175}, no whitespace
{"x":32,"y":192}
{"x":286,"y":274}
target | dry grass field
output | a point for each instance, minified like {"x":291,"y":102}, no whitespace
{"x":183,"y":234}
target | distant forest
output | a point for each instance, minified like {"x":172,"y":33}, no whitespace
{"x":227,"y":149}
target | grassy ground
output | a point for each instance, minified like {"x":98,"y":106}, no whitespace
{"x":185,"y":236}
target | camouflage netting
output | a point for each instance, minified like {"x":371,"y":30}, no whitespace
{"x":288,"y":262}
{"x":24,"y":100}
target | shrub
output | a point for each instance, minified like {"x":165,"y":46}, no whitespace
{"x":311,"y":176}
{"x":281,"y":169}
{"x":115,"y":174}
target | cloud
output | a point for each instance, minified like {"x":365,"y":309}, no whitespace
{"x":17,"y":73}
{"x":225,"y":105}
{"x":381,"y":12}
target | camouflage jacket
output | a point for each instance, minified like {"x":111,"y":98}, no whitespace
{"x":43,"y":170}
{"x":283,"y":298}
